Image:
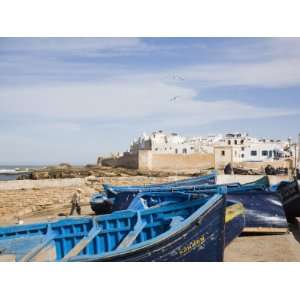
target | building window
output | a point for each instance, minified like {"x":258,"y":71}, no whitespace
{"x":264,"y":153}
{"x":243,"y":148}
{"x":235,"y":142}
{"x":223,"y":152}
{"x":253,"y":153}
{"x":184,"y":151}
{"x":242,"y":155}
{"x":242,"y":142}
{"x":270,"y":153}
{"x":229,"y":142}
{"x":192,"y":148}
{"x":176,"y":151}
{"x":156,"y":149}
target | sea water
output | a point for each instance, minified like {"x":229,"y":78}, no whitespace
{"x":11,"y":169}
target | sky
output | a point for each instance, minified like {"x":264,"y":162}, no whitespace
{"x":74,"y":99}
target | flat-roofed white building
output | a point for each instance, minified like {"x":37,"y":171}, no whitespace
{"x":246,"y":148}
{"x":160,"y":142}
{"x":243,"y":147}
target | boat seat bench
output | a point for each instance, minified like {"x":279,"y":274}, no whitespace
{"x":132,"y":235}
{"x":83,"y":243}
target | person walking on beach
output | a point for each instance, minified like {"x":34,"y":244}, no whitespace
{"x":75,"y":202}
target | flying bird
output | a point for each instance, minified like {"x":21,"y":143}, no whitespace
{"x":174,"y":98}
{"x":178,"y":77}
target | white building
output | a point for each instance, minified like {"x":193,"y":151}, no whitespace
{"x":241,"y":145}
{"x":160,"y":142}
{"x":246,"y":148}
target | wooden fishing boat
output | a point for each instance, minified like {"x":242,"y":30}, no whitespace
{"x":120,"y":199}
{"x":266,"y":207}
{"x":182,"y":231}
{"x":111,"y":190}
{"x":264,"y":210}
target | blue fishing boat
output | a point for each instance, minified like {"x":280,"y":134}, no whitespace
{"x":119,"y":198}
{"x":264,"y":209}
{"x":111,"y":190}
{"x":183,"y":231}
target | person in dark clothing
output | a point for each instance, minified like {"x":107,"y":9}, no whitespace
{"x":75,"y":202}
{"x":269,"y":170}
{"x":228,"y":170}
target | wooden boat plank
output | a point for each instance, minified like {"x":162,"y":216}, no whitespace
{"x":47,"y":253}
{"x":83,"y":243}
{"x":265,"y":230}
{"x":132,"y":235}
{"x":35,"y":251}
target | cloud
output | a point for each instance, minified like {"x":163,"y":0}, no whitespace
{"x":274,"y":74}
{"x":67,"y":45}
{"x":128,"y":101}
{"x":271,"y":63}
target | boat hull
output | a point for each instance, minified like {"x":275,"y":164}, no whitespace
{"x":198,"y":235}
{"x":262,"y":209}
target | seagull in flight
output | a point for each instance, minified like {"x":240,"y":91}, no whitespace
{"x":178,"y":77}
{"x":174,"y":98}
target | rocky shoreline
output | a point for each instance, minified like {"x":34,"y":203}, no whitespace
{"x":67,"y":171}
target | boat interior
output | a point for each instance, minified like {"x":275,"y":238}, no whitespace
{"x":61,"y":240}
